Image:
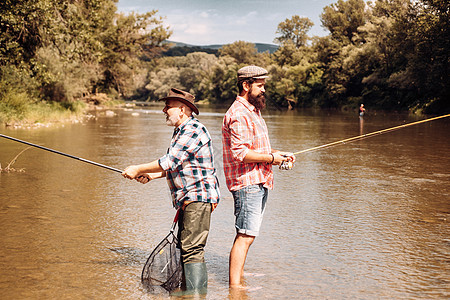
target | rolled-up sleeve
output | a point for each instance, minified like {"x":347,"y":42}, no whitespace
{"x":187,"y":143}
{"x":241,"y":137}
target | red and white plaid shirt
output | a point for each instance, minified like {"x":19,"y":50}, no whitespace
{"x":243,"y":130}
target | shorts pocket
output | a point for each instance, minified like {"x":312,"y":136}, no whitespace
{"x":253,"y":189}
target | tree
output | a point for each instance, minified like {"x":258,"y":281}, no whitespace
{"x":21,"y":24}
{"x":242,"y":52}
{"x":294,"y":30}
{"x":429,"y":61}
{"x":222,"y":85}
{"x":134,"y":36}
{"x":343,"y":18}
{"x":73,"y":48}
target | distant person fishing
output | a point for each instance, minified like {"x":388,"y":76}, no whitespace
{"x":362,"y":110}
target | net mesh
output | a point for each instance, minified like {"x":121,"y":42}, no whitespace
{"x":163,"y":267}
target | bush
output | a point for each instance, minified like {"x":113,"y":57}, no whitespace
{"x":20,"y":102}
{"x":17,"y":92}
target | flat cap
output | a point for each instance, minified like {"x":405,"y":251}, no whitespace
{"x":252,"y":72}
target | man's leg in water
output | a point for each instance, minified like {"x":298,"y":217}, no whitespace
{"x":238,"y":254}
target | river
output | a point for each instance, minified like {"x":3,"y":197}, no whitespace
{"x":363,"y":220}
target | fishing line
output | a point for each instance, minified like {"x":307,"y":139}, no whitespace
{"x":61,"y":153}
{"x":370,"y":134}
{"x":287,"y":166}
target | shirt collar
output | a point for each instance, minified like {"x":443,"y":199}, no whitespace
{"x":247,"y":104}
{"x":177,"y":129}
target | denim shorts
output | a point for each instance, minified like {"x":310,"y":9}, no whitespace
{"x":249,"y":205}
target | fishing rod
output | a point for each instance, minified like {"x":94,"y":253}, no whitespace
{"x":61,"y":153}
{"x":370,"y":134}
{"x":288,"y":165}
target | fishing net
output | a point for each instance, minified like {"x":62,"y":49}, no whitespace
{"x":163,"y":267}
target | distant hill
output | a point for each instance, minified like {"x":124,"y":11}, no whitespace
{"x":266,"y":47}
{"x":183,"y":50}
{"x":187,"y":48}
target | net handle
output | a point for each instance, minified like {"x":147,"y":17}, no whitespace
{"x":175,"y":220}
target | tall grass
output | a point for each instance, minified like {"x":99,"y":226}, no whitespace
{"x":17,"y":108}
{"x":20,"y":101}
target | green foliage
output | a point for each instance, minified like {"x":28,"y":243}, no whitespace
{"x":21,"y":23}
{"x":389,"y":54}
{"x":223,"y":83}
{"x":429,"y":62}
{"x":133,"y":38}
{"x":19,"y":100}
{"x":294,"y":31}
{"x":17,"y":93}
{"x":392,"y":54}
{"x":242,"y":52}
{"x":205,"y":75}
{"x":72,"y":49}
{"x":343,"y":18}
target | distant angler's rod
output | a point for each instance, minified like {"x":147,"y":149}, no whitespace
{"x":369,"y":134}
{"x":61,"y":153}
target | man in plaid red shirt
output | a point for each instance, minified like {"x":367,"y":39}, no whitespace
{"x":189,"y":169}
{"x":248,"y":160}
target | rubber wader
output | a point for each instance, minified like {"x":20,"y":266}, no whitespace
{"x":196,"y":277}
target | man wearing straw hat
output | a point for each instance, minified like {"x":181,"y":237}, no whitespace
{"x":191,"y":176}
{"x":248,"y":160}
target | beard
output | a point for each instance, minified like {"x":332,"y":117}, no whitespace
{"x":172,"y":120}
{"x":259,"y":101}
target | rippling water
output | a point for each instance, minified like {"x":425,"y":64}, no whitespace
{"x":364,"y":220}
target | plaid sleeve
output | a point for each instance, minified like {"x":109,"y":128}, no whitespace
{"x":186,"y":144}
{"x":241,"y":136}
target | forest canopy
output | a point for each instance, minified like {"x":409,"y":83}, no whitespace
{"x":387,"y":54}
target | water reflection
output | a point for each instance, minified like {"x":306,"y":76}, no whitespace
{"x":361,"y":125}
{"x":362,"y":220}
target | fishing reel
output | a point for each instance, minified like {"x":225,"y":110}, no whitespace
{"x":286,"y":165}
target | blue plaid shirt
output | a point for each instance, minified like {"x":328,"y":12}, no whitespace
{"x":189,"y":165}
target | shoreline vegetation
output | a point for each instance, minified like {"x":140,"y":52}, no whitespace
{"x":38,"y":115}
{"x":59,"y":58}
{"x":27,"y":114}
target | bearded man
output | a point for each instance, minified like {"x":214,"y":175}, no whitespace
{"x":189,"y":169}
{"x":248,"y":160}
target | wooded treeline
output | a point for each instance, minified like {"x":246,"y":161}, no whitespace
{"x":56,"y":52}
{"x":389,"y":54}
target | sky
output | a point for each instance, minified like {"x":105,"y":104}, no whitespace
{"x":208,"y":22}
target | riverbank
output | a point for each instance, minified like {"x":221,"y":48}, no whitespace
{"x":46,"y":114}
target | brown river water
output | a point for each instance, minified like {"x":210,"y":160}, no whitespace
{"x":363,"y":220}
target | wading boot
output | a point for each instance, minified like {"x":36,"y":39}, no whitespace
{"x":196,"y":280}
{"x":196,"y":277}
